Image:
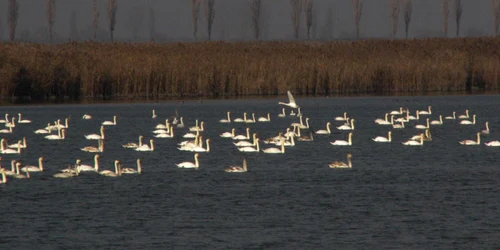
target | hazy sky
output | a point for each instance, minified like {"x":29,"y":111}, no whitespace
{"x":232,"y":19}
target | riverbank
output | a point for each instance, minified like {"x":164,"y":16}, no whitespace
{"x":147,"y":71}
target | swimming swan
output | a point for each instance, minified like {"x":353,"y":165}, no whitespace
{"x":187,"y":164}
{"x":238,"y":169}
{"x":339,"y":164}
{"x":228,"y":120}
{"x":342,"y":142}
{"x":96,"y":136}
{"x":467,"y":122}
{"x":38,"y":168}
{"x":133,"y":144}
{"x":108,"y":123}
{"x":324,"y":132}
{"x":146,"y":147}
{"x":131,"y":170}
{"x":383,"y":139}
{"x":471,"y":142}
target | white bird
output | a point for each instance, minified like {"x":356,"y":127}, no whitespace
{"x":88,"y":168}
{"x":341,"y":118}
{"x":43,"y":130}
{"x":343,"y":142}
{"x":243,"y":137}
{"x":251,"y":120}
{"x":282,"y":114}
{"x":438,"y":122}
{"x":383,"y":121}
{"x":468,"y":122}
{"x":181,"y":123}
{"x":4,"y":178}
{"x":6,"y":130}
{"x":72,"y":172}
{"x":276,"y":150}
{"x":163,"y":126}
{"x":60,"y":126}
{"x":187,"y":164}
{"x":347,"y":127}
{"x":399,"y":126}
{"x":200,"y":148}
{"x":109,"y":173}
{"x":198,"y":128}
{"x":383,"y":139}
{"x":471,"y":142}
{"x":154,"y":114}
{"x":291,"y":101}
{"x":246,"y":143}
{"x":466,"y":116}
{"x":251,"y":148}
{"x":453,"y":117}
{"x":131,"y":170}
{"x":18,"y":174}
{"x":397,"y":112}
{"x":415,"y":143}
{"x":6,"y":120}
{"x":146,"y":147}
{"x":86,"y":117}
{"x":241,"y":119}
{"x":20,"y":120}
{"x":486,"y":131}
{"x":11,"y":124}
{"x":92,"y":149}
{"x":411,"y":117}
{"x":12,"y":170}
{"x":228,"y":134}
{"x":4,"y":150}
{"x":324,"y":132}
{"x":191,"y":135}
{"x":238,"y":169}
{"x":339,"y":164}
{"x":96,"y":136}
{"x":108,"y":123}
{"x":228,"y":120}
{"x":30,"y":168}
{"x":166,"y":135}
{"x":133,"y":144}
{"x":265,"y":119}
{"x":420,"y":126}
{"x":492,"y":144}
{"x":425,"y":112}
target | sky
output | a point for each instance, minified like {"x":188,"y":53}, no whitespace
{"x":233,"y":20}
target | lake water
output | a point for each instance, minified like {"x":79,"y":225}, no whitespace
{"x":439,"y":195}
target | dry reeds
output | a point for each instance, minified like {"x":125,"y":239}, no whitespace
{"x":220,"y":69}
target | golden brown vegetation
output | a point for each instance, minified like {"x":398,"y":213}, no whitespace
{"x":220,"y":69}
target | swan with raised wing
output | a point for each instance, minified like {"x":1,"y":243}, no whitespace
{"x":30,"y":168}
{"x":228,"y":119}
{"x":238,"y":169}
{"x":471,"y":142}
{"x":468,"y":122}
{"x":96,"y":136}
{"x":343,"y":142}
{"x":383,"y":139}
{"x":188,"y":164}
{"x":339,"y":164}
{"x":291,"y":101}
{"x":110,"y":123}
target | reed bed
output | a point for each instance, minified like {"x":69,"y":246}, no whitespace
{"x":219,"y":69}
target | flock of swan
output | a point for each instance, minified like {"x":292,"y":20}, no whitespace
{"x":247,"y":142}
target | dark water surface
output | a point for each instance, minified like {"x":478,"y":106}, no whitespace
{"x":440,"y":195}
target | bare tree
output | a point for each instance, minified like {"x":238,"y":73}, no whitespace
{"x":51,"y":16}
{"x":358,"y":11}
{"x":308,"y":11}
{"x":152,"y":25}
{"x":112,"y":7}
{"x":407,"y":10}
{"x":314,"y":27}
{"x":13,"y":16}
{"x":195,"y":15}
{"x":210,"y":16}
{"x":95,"y":23}
{"x":394,"y":7}
{"x":73,"y":27}
{"x":296,"y":12}
{"x":445,"y":13}
{"x":496,"y":15}
{"x":255,"y":7}
{"x":458,"y":14}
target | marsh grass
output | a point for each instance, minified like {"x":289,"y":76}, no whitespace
{"x":219,"y":69}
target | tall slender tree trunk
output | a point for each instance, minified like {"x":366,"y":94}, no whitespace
{"x":445,"y":13}
{"x":112,"y":7}
{"x":394,"y":8}
{"x":195,"y":15}
{"x":51,"y":15}
{"x":358,"y":11}
{"x":308,"y":11}
{"x":255,"y":7}
{"x":210,"y":16}
{"x":458,"y":15}
{"x":408,"y":10}
{"x":295,"y":15}
{"x":12,"y":18}
{"x":95,"y":22}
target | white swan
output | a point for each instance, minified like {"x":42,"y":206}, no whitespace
{"x":486,"y":131}
{"x":343,"y":142}
{"x":291,"y":101}
{"x":438,"y":122}
{"x":243,"y":137}
{"x":282,"y":114}
{"x":86,"y":117}
{"x":4,"y":178}
{"x":162,"y":126}
{"x":88,"y":168}
{"x":11,"y":124}
{"x":265,"y":119}
{"x":181,"y":123}
{"x":20,"y":120}
{"x":166,"y":135}
{"x":306,"y":125}
{"x":187,"y":164}
{"x":411,"y":117}
{"x":198,"y":128}
{"x":324,"y":132}
{"x":38,"y":168}
{"x":108,"y":123}
{"x":453,"y":117}
{"x":241,"y":119}
{"x":251,"y":148}
{"x":228,"y":134}
{"x":397,"y":112}
{"x":420,"y":126}
{"x":238,"y":169}
{"x":251,"y":120}
{"x":492,"y":144}
{"x":6,"y":120}
{"x":133,"y":144}
{"x":200,"y":148}
{"x":398,"y":126}
{"x":383,"y":121}
{"x":246,"y":143}
{"x":276,"y":150}
{"x":92,"y":149}
{"x":341,"y":118}
{"x":6,"y":130}
{"x":18,"y":174}
{"x":60,"y":126}
{"x":339,"y":164}
{"x":109,"y":173}
{"x":228,"y":120}
{"x":466,"y":116}
{"x":471,"y":142}
{"x":383,"y":139}
{"x":425,"y":112}
{"x":347,"y":127}
{"x":191,"y":135}
{"x":131,"y":170}
{"x":4,"y":150}
{"x":12,"y":170}
{"x":43,"y":130}
{"x":146,"y":147}
{"x":415,"y":143}
{"x":68,"y":174}
{"x":154,"y":114}
{"x":468,"y":122}
{"x":96,"y":136}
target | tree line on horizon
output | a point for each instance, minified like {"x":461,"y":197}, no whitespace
{"x":302,"y":14}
